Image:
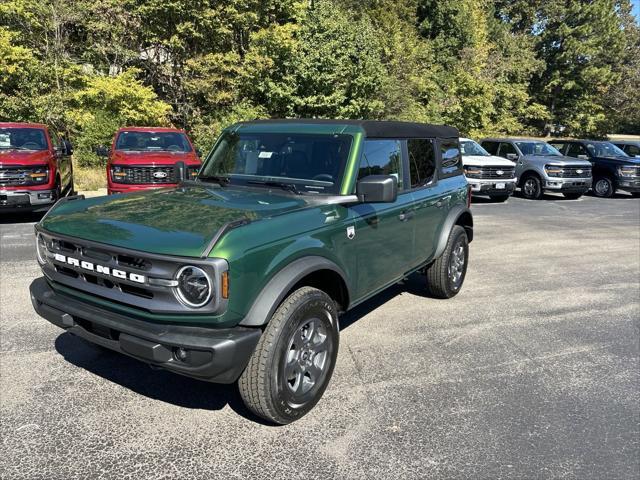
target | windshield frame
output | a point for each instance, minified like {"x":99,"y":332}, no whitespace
{"x":185,"y":140}
{"x":476,"y":145}
{"x":42,"y":131}
{"x":555,"y":151}
{"x":286,"y":184}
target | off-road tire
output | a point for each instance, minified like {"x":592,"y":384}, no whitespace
{"x":500,"y":198}
{"x":439,"y":281}
{"x":598,"y":188}
{"x":572,"y":196}
{"x":533,"y":191}
{"x":263,"y":385}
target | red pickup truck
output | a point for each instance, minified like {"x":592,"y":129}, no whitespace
{"x":35,"y":167}
{"x":141,"y":158}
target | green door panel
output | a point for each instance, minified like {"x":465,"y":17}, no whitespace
{"x":383,"y":242}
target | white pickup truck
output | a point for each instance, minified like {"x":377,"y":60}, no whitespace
{"x":487,"y":174}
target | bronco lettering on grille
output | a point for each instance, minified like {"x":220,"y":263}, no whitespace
{"x":113,"y":272}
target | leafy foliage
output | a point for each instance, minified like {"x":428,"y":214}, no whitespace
{"x":485,"y":66}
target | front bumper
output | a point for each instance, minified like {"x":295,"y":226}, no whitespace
{"x":490,"y":186}
{"x":629,"y":184}
{"x":26,"y":199}
{"x":214,"y":355}
{"x":569,"y":185}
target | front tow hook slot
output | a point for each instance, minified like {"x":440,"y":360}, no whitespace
{"x":67,"y":320}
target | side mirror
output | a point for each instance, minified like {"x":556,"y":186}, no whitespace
{"x":68,"y":147}
{"x":512,"y":156}
{"x":181,"y":170}
{"x":102,"y":151}
{"x":377,"y":189}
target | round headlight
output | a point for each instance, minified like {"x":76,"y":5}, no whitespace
{"x":194,"y":286}
{"x":41,"y":249}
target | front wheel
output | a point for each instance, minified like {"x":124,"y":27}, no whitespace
{"x":572,"y":196}
{"x":603,"y":187}
{"x":294,"y":360}
{"x":446,"y":275}
{"x":532,"y":187}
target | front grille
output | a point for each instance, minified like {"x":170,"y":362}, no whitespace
{"x":576,"y":172}
{"x":157,"y":175}
{"x":140,"y":175}
{"x":20,"y":175}
{"x":491,"y":172}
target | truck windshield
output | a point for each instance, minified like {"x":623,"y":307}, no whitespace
{"x":302,"y":163}
{"x":469,"y":147}
{"x":604,"y":149}
{"x":153,"y":141}
{"x":22,"y":139}
{"x":538,"y":148}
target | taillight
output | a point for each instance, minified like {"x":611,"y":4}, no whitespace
{"x":468,"y":196}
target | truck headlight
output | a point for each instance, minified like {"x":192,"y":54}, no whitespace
{"x":472,"y":172}
{"x":194,"y":286}
{"x":118,"y":174}
{"x":38,"y":175}
{"x":627,"y":171}
{"x":41,"y":249}
{"x":554,"y":170}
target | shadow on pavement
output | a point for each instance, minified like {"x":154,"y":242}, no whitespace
{"x":20,"y":217}
{"x":186,"y":392}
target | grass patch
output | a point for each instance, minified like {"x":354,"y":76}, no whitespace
{"x":89,"y":178}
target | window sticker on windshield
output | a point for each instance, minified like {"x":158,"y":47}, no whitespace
{"x":5,"y":141}
{"x":265,"y":154}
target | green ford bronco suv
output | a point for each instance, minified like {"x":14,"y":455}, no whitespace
{"x":241,"y":274}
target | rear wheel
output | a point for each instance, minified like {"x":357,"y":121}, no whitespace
{"x":446,"y":275}
{"x":603,"y":187}
{"x":532,"y":187}
{"x":294,"y":360}
{"x":572,"y":196}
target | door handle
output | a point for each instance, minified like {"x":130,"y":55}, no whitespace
{"x":404,"y":216}
{"x":442,"y":201}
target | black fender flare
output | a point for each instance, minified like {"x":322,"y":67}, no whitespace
{"x":452,"y":219}
{"x":282,"y":282}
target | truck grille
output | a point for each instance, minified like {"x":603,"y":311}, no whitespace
{"x":20,"y":175}
{"x":576,"y":172}
{"x":157,"y":175}
{"x":503,"y":173}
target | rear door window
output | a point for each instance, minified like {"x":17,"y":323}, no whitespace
{"x":491,"y":147}
{"x":422,"y":161}
{"x":576,"y":149}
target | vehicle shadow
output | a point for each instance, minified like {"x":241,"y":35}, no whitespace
{"x":186,"y":392}
{"x":21,"y":217}
{"x":152,"y":383}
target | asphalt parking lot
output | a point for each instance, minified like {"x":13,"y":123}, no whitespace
{"x":533,"y":371}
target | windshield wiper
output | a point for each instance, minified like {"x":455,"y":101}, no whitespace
{"x":219,"y":179}
{"x":290,"y":187}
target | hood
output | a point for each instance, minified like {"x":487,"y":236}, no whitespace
{"x":560,"y":160}
{"x":484,"y":161}
{"x":24,"y":157}
{"x":178,"y":221}
{"x":131,"y":157}
{"x":620,"y":160}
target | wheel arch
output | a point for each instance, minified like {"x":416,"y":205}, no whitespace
{"x":527,"y":173}
{"x":311,"y":271}
{"x":459,"y":215}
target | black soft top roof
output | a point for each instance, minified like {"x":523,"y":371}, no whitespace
{"x":379,"y":128}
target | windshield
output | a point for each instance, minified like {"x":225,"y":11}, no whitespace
{"x":604,"y":149}
{"x":153,"y":141}
{"x":22,"y":139}
{"x":538,"y":148}
{"x":307,"y":163}
{"x":469,"y":147}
